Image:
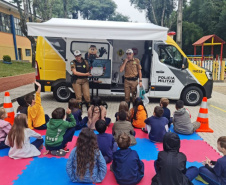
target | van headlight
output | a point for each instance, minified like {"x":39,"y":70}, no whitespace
{"x":209,"y":75}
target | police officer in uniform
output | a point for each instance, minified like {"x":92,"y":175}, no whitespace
{"x":80,"y":73}
{"x":132,"y":69}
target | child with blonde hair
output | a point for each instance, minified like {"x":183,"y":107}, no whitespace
{"x":123,"y":106}
{"x":4,"y":128}
{"x":19,"y":139}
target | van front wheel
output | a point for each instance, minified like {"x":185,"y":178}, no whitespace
{"x":61,"y":93}
{"x":192,"y":96}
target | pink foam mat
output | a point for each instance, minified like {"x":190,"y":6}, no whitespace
{"x":42,"y":132}
{"x":195,"y":150}
{"x":70,"y":146}
{"x":149,"y":172}
{"x":11,"y":168}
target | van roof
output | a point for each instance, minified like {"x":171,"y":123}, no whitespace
{"x":89,"y":29}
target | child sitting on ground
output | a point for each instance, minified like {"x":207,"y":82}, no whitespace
{"x":138,"y":113}
{"x":59,"y":132}
{"x":126,"y":166}
{"x":182,"y":121}
{"x":22,"y":105}
{"x":86,"y":163}
{"x":97,"y":111}
{"x":214,"y":172}
{"x":157,"y":126}
{"x":123,"y":106}
{"x":121,"y":126}
{"x":170,"y":166}
{"x":35,"y":113}
{"x":73,"y":105}
{"x":164,"y":102}
{"x":4,"y":128}
{"x":19,"y":139}
{"x":106,"y":142}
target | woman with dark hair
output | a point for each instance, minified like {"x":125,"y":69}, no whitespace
{"x":138,"y":113}
{"x":86,"y":163}
{"x":96,"y":112}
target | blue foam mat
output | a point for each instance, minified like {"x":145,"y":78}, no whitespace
{"x":145,"y":149}
{"x":45,"y":171}
{"x":193,"y":136}
{"x":77,"y":132}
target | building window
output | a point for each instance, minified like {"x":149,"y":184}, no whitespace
{"x":17,"y":27}
{"x":28,"y":52}
{"x":5,"y":25}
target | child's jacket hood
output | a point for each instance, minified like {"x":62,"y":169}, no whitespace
{"x":171,"y":142}
{"x":180,"y":111}
{"x":55,"y":123}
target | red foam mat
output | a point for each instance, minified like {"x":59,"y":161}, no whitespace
{"x":195,"y":150}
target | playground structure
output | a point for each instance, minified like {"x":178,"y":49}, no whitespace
{"x":215,"y":65}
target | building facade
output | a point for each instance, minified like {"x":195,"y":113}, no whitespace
{"x":12,"y":41}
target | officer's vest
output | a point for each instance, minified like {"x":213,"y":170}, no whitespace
{"x":80,"y":67}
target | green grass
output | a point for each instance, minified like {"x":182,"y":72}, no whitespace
{"x":16,"y":68}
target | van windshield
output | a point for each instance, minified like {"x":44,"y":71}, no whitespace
{"x":169,"y":55}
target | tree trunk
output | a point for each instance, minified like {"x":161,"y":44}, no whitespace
{"x":153,"y":12}
{"x":65,"y":8}
{"x":163,"y":15}
{"x":23,"y":20}
{"x":179,"y":22}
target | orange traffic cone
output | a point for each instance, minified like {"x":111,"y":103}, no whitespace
{"x":8,"y":106}
{"x":203,"y":117}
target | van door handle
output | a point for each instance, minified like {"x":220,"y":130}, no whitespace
{"x":160,"y":72}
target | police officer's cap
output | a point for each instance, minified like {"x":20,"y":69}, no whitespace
{"x":77,"y":53}
{"x":129,"y":51}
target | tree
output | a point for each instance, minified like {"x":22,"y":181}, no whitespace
{"x":157,"y":11}
{"x":179,"y":22}
{"x":26,"y":15}
{"x":118,"y":17}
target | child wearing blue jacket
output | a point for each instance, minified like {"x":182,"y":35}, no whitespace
{"x":157,"y":126}
{"x":126,"y":166}
{"x":86,"y":163}
{"x":214,"y":172}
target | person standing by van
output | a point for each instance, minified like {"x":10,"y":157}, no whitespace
{"x":80,"y":83}
{"x":132,"y":69}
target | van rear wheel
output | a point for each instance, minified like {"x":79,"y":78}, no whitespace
{"x":61,"y":93}
{"x":192,"y":96}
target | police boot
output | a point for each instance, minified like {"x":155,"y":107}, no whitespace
{"x":128,"y":104}
{"x":87,"y":105}
{"x":80,"y":105}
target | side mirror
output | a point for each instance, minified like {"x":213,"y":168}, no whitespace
{"x":184,"y":63}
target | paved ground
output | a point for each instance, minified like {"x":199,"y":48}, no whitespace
{"x":216,"y":105}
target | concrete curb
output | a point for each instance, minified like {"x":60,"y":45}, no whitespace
{"x":14,"y":99}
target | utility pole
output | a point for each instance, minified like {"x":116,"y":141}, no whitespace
{"x":179,"y":22}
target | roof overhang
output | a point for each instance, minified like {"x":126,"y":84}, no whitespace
{"x":89,"y":29}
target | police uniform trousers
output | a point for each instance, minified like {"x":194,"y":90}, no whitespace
{"x":81,"y":86}
{"x":130,"y":86}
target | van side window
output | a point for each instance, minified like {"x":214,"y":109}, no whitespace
{"x":169,"y":55}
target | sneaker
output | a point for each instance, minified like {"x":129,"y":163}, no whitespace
{"x":144,"y":130}
{"x":199,"y":178}
{"x":66,"y":149}
{"x":60,"y":152}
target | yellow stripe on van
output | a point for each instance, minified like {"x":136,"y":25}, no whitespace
{"x":197,"y":71}
{"x":51,"y":66}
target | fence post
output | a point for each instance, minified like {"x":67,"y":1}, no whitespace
{"x":222,"y":70}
